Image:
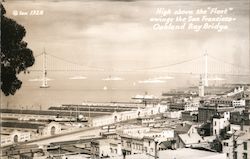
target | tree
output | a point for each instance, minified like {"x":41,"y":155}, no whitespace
{"x":15,"y":56}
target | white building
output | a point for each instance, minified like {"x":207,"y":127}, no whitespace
{"x":160,"y":133}
{"x":173,"y":114}
{"x":133,"y":130}
{"x":35,"y":129}
{"x":145,"y":120}
{"x":239,"y":103}
{"x":50,"y":129}
{"x":236,"y":91}
{"x":192,"y":105}
{"x":109,"y":147}
{"x":10,"y":137}
{"x":127,"y":115}
{"x":220,"y":123}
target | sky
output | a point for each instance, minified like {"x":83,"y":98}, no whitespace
{"x":118,"y":34}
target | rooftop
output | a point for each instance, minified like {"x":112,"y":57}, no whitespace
{"x":21,"y":125}
{"x":179,"y":154}
{"x":182,"y":128}
{"x":190,"y":153}
{"x":193,"y":138}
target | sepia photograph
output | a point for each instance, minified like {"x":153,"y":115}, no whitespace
{"x":125,"y":79}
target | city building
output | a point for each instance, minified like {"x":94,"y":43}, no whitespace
{"x":173,"y":114}
{"x":149,"y":145}
{"x":145,"y":120}
{"x":208,"y":110}
{"x":134,"y":130}
{"x":238,"y":146}
{"x":163,"y":133}
{"x":229,"y":101}
{"x":188,"y":153}
{"x":186,"y":135}
{"x":14,"y":136}
{"x":220,"y":123}
{"x":191,"y":140}
{"x":106,"y":148}
{"x":131,"y":144}
{"x":189,"y":116}
{"x":187,"y":104}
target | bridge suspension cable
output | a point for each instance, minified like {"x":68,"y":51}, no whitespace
{"x":219,"y":67}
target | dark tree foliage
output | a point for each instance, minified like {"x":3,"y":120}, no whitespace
{"x":15,"y":56}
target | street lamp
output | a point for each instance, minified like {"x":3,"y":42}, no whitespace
{"x":156,"y":150}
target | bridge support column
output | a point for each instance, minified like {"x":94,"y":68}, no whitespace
{"x":206,"y":70}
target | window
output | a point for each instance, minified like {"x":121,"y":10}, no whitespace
{"x":15,"y":138}
{"x":244,"y":155}
{"x":214,"y":123}
{"x":245,"y":145}
{"x":225,"y":144}
{"x":152,"y":150}
{"x":148,"y":143}
{"x":53,"y":130}
{"x":227,"y":154}
{"x":235,"y":144}
{"x":235,"y":155}
{"x":129,"y":145}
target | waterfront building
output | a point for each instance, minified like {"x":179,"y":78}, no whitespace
{"x":35,"y":129}
{"x":14,"y":136}
{"x":128,"y":115}
{"x":236,"y":91}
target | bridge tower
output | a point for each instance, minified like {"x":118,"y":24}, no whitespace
{"x":205,"y":78}
{"x":44,"y":71}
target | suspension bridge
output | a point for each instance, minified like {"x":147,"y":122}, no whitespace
{"x":206,"y":65}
